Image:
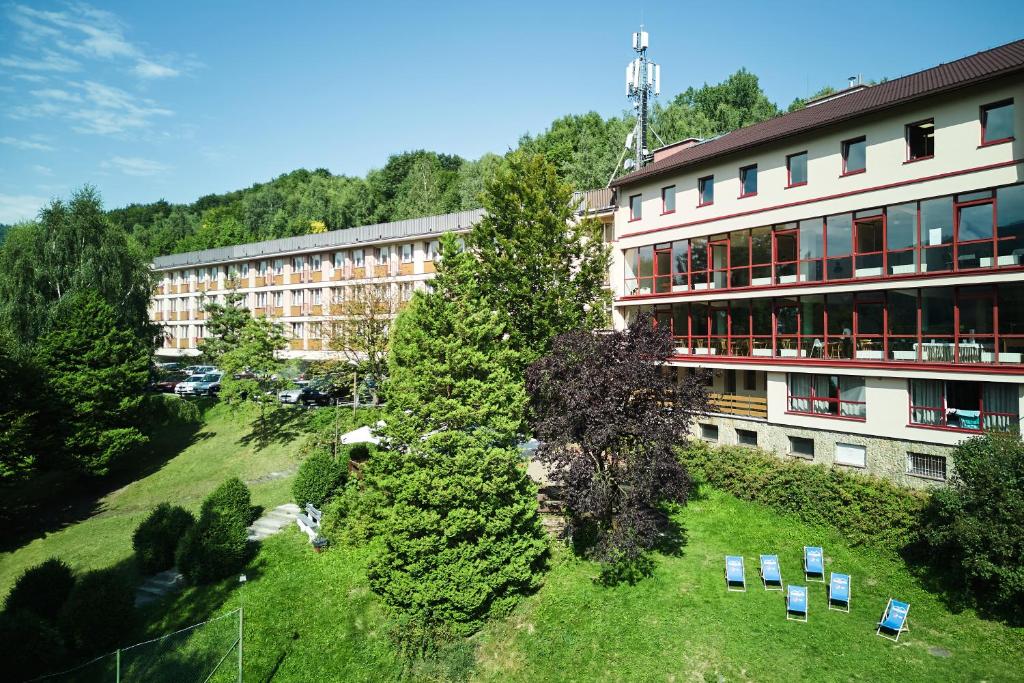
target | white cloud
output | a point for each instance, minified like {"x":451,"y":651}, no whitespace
{"x":42,"y":170}
{"x":109,"y":110}
{"x":47,"y":61}
{"x":57,"y":94}
{"x":135,"y":166}
{"x":30,"y":78}
{"x":26,"y":144}
{"x":19,"y":207}
{"x":146,"y":69}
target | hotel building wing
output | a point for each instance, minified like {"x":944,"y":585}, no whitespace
{"x":852,"y":272}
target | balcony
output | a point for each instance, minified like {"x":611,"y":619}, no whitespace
{"x":405,"y":269}
{"x":261,"y":281}
{"x":295,"y":345}
{"x":318,"y":276}
{"x":429,"y":267}
{"x":381,"y":271}
{"x":359,"y":273}
{"x":314,"y":344}
{"x":296,"y":278}
{"x":736,"y":404}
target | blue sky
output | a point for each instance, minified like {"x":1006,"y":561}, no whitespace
{"x":180,"y":99}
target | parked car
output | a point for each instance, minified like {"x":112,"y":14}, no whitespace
{"x":187,"y":387}
{"x":313,"y":393}
{"x":168,"y":383}
{"x":209,"y":385}
{"x":199,"y":369}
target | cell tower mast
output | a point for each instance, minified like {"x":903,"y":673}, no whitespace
{"x":643,"y":82}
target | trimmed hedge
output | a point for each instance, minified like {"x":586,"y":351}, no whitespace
{"x":42,"y":590}
{"x":865,"y":510}
{"x":232,"y":498}
{"x":30,"y":646}
{"x":99,"y":615}
{"x":215,"y":548}
{"x":319,"y":477}
{"x":157,"y":537}
{"x":217,"y":545}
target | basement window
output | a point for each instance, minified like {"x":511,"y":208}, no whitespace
{"x":709,"y":433}
{"x":746,"y":437}
{"x":801,"y":447}
{"x":927,"y":466}
{"x":921,"y":140}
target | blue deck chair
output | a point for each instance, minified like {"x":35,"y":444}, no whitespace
{"x":839,"y":592}
{"x":735,"y":575}
{"x":894,"y":620}
{"x":796,"y":603}
{"x":770,"y":573}
{"x":814,"y":563}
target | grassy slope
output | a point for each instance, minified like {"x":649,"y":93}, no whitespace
{"x":219,"y":450}
{"x":683,"y":625}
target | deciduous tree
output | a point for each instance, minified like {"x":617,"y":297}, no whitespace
{"x":359,"y":327}
{"x":252,"y":370}
{"x":224,"y":325}
{"x":608,"y":417}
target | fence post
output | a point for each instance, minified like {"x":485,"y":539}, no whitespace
{"x":117,"y":674}
{"x":241,"y":616}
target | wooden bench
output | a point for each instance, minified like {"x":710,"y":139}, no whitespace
{"x":309,"y":522}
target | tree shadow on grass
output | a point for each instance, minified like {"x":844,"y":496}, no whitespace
{"x":57,"y":499}
{"x":279,"y":426}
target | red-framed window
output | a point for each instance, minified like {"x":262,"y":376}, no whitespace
{"x":970,"y":232}
{"x":975,"y":325}
{"x":997,"y":122}
{"x":706,"y":191}
{"x":636,"y":207}
{"x":796,"y":169}
{"x":839,"y":396}
{"x":748,"y":181}
{"x":920,"y":138}
{"x":855,"y":155}
{"x":964,"y":405}
{"x":668,"y":199}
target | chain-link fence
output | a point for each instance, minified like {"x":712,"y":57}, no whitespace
{"x":207,"y":652}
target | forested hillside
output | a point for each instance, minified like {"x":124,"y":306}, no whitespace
{"x":583,"y":147}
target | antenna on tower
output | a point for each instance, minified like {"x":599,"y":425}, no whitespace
{"x":643,"y":82}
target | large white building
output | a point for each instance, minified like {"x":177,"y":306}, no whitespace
{"x":853,"y":272}
{"x":299,"y":281}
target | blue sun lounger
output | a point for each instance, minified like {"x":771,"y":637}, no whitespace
{"x":814,"y":563}
{"x":894,"y":620}
{"x":796,"y":603}
{"x":770,"y":573}
{"x":735,"y":576}
{"x":839,"y":592}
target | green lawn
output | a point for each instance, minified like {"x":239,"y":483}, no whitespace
{"x":683,"y":625}
{"x":312,"y":617}
{"x":221,"y":448}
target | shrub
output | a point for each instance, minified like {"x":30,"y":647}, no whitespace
{"x":214,"y":548}
{"x":318,"y":478}
{"x":359,"y":452}
{"x":973,"y":528}
{"x":31,"y":646}
{"x":232,"y":498}
{"x":354,"y":514}
{"x":461,"y":539}
{"x":42,"y":590}
{"x":99,"y":615}
{"x":865,"y":510}
{"x":156,"y":538}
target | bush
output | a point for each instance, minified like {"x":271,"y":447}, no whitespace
{"x":232,"y":498}
{"x":31,"y":646}
{"x":318,"y":478}
{"x":354,"y":515}
{"x":157,"y":537}
{"x":214,"y":548}
{"x":865,"y":510}
{"x":973,"y":528}
{"x":42,"y":590}
{"x":99,"y":615}
{"x":359,"y":452}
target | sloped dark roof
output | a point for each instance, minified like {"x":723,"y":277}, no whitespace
{"x":980,"y":67}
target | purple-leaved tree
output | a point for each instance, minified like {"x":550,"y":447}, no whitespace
{"x":609,"y":415}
